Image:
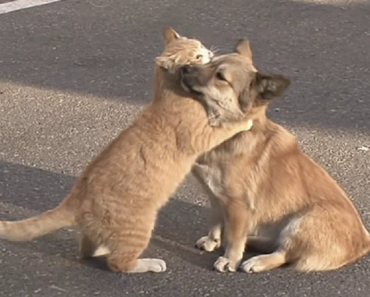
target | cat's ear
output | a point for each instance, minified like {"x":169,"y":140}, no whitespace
{"x":165,"y":62}
{"x":169,"y":35}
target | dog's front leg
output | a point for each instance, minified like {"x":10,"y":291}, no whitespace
{"x":236,"y":230}
{"x":213,"y":240}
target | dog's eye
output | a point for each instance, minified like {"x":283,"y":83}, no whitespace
{"x":220,"y":76}
{"x":198,"y":57}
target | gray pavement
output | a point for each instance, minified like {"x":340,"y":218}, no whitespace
{"x":74,"y":73}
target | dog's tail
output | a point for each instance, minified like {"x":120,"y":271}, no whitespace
{"x":367,"y":248}
{"x":365,"y":243}
{"x":47,"y":222}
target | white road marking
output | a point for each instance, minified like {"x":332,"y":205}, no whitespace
{"x":22,"y":4}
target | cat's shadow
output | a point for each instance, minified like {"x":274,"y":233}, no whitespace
{"x":27,"y":191}
{"x":178,"y":227}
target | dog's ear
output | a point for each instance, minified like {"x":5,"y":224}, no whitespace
{"x":243,"y":48}
{"x":165,"y":62}
{"x":270,"y":86}
{"x":170,"y":34}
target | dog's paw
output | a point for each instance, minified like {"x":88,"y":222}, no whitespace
{"x":226,"y":265}
{"x":207,"y":244}
{"x":262,"y":263}
{"x":252,"y":265}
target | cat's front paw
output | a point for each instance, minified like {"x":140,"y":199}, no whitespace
{"x":248,"y":125}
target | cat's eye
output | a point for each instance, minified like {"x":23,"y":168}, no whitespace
{"x":198,"y":57}
{"x":220,"y":76}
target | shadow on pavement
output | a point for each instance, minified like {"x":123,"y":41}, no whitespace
{"x":50,"y":263}
{"x":27,"y":191}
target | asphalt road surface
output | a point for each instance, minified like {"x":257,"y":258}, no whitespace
{"x":74,"y":73}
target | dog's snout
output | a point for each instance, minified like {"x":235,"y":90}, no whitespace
{"x":187,"y":69}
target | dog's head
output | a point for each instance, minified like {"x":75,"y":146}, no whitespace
{"x":232,"y":80}
{"x":180,"y":50}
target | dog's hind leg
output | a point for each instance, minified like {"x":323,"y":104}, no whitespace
{"x":264,"y":262}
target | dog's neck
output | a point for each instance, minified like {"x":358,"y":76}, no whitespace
{"x":265,"y":134}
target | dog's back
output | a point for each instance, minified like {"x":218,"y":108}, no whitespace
{"x":292,"y":201}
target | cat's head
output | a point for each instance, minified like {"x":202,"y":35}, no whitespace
{"x":180,"y":50}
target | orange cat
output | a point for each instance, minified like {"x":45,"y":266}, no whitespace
{"x":116,"y":199}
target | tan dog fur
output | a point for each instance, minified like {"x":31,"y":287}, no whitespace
{"x":116,"y":199}
{"x":262,"y":185}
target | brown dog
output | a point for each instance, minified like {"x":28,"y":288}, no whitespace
{"x":262,"y":185}
{"x":116,"y":199}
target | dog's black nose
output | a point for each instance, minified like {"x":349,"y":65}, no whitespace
{"x":186,"y":69}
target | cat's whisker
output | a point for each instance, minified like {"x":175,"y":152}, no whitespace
{"x":214,"y":49}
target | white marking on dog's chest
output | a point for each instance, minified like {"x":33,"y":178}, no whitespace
{"x":212,"y":177}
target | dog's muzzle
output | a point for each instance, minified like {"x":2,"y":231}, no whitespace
{"x":185,"y":71}
{"x":187,"y":79}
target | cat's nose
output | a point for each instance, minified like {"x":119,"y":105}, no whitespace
{"x":186,"y":69}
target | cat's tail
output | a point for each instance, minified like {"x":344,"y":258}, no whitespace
{"x":47,"y":222}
